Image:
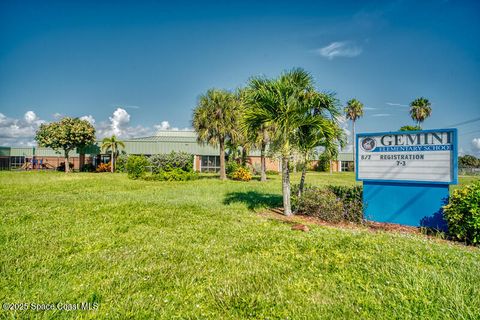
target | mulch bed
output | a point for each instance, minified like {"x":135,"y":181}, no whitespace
{"x":277,"y":213}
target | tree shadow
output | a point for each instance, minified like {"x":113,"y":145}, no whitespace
{"x":435,"y":222}
{"x":254,"y":199}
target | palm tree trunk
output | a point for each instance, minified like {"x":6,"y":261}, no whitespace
{"x":287,"y":208}
{"x":263,"y":174}
{"x":67,"y":164}
{"x":302,"y":179}
{"x":331,"y":168}
{"x":112,"y":165}
{"x":354,"y":142}
{"x":223,"y":175}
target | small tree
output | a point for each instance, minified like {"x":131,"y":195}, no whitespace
{"x":353,"y":111}
{"x":114,"y":145}
{"x":277,"y":103}
{"x":66,"y":135}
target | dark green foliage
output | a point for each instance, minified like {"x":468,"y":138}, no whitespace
{"x":88,"y":167}
{"x":137,"y":166}
{"x":320,"y":203}
{"x":232,"y":166}
{"x":323,"y":163}
{"x":169,"y":162}
{"x":348,"y":198}
{"x":121,"y":163}
{"x":462,"y":213}
{"x":410,"y":128}
{"x":174,"y":166}
{"x":468,"y":161}
{"x":352,"y":201}
{"x":61,"y":167}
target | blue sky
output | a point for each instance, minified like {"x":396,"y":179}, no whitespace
{"x":134,"y":67}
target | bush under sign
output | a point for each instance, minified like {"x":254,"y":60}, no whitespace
{"x":406,"y":174}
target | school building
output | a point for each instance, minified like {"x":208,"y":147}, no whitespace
{"x":206,"y":158}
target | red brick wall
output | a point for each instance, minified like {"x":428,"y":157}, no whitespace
{"x":271,"y":164}
{"x":55,"y":161}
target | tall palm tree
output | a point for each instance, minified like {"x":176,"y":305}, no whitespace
{"x":353,"y":111}
{"x":112,"y":144}
{"x":420,"y":110}
{"x":216,"y":120}
{"x":278,"y":103}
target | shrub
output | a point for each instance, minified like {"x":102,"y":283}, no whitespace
{"x":231,"y":167}
{"x":349,"y":199}
{"x":137,"y":166}
{"x":352,"y":201}
{"x":320,"y":203}
{"x":61,"y":167}
{"x":104,"y":167}
{"x":173,"y":175}
{"x":323,"y":163}
{"x":88,"y":167}
{"x":121,"y":163}
{"x":241,"y":174}
{"x":170,"y":161}
{"x":462,"y":213}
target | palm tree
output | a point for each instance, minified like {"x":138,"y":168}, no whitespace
{"x":216,"y":120}
{"x":259,"y":138}
{"x":112,"y":144}
{"x":353,"y":111}
{"x":323,"y":130}
{"x":420,"y":110}
{"x":278,"y":103}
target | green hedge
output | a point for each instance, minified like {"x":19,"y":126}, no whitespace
{"x":462,"y":214}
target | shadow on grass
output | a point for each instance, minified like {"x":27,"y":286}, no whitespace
{"x":254,"y":199}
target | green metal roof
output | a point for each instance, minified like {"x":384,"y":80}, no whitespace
{"x":345,"y":156}
{"x":4,"y":151}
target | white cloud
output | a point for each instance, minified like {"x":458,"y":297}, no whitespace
{"x":19,"y":131}
{"x":392,"y":104}
{"x":476,"y":146}
{"x":119,"y":120}
{"x":88,"y":118}
{"x":381,"y":115}
{"x":164,"y":125}
{"x":30,"y":117}
{"x":369,"y":108}
{"x":346,"y":49}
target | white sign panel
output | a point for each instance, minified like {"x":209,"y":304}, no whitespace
{"x":408,"y":156}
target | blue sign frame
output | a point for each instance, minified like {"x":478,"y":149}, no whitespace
{"x":454,"y":168}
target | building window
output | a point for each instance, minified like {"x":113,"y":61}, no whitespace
{"x":17,"y":162}
{"x":347,"y":165}
{"x":4,"y":163}
{"x":210,"y":164}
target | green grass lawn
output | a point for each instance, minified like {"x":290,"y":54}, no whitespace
{"x":198,"y":250}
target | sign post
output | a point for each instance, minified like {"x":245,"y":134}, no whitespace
{"x":406,"y":175}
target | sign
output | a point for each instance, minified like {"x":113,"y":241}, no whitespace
{"x":428,"y":156}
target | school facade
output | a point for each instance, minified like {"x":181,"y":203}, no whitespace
{"x":206,"y":158}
